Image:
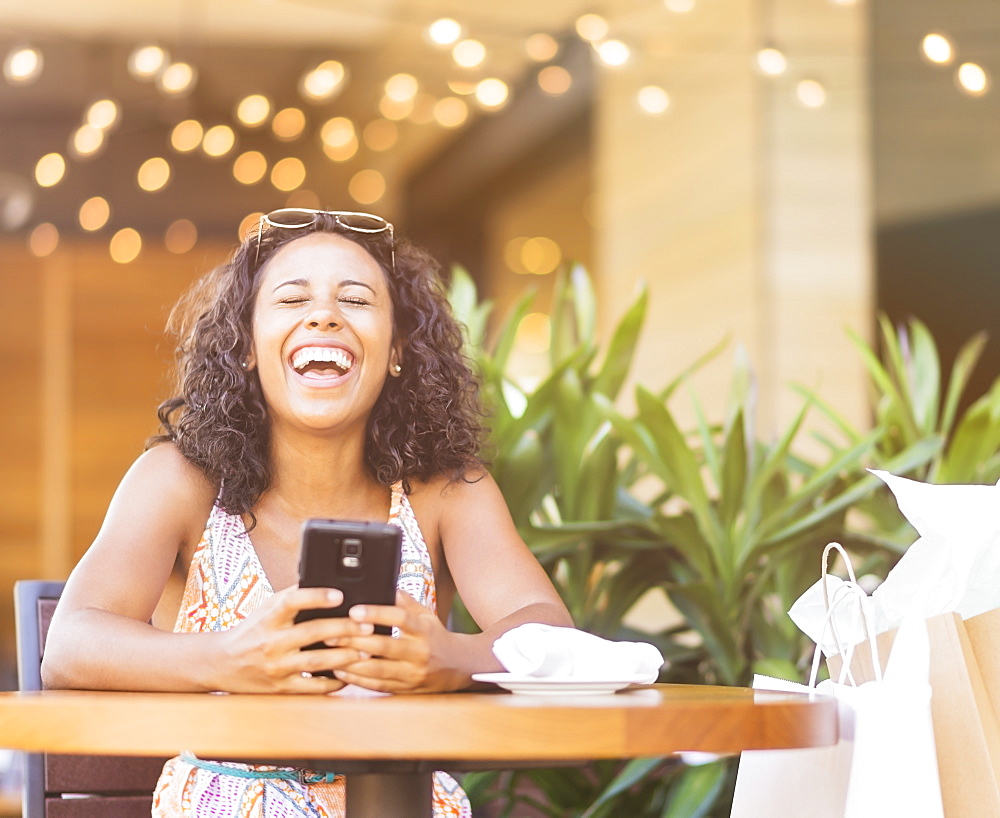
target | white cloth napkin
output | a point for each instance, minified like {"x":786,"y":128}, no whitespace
{"x":541,"y":650}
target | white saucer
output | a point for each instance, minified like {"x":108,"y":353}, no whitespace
{"x":555,"y":685}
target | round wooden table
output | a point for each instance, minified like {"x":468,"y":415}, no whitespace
{"x":389,"y":745}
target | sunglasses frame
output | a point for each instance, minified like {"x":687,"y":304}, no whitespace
{"x":267,"y":218}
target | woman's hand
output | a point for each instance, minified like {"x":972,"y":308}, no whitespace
{"x":263,"y":654}
{"x":418,"y":660}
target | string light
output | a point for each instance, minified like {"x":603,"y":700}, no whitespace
{"x":401,"y":87}
{"x":181,"y":236}
{"x":253,"y":110}
{"x":393,"y":110}
{"x":463,"y":88}
{"x":592,"y":27}
{"x":771,"y":61}
{"x":218,"y":140}
{"x":186,"y":135}
{"x":288,"y":173}
{"x":541,"y":47}
{"x":87,"y":141}
{"x":249,"y":168}
{"x":554,"y":80}
{"x":468,"y":53}
{"x":153,"y":174}
{"x":23,"y":65}
{"x":444,"y":32}
{"x":94,"y":213}
{"x":103,"y":114}
{"x":613,"y":52}
{"x":324,"y":82}
{"x":492,"y":92}
{"x":146,"y":61}
{"x":937,"y":48}
{"x":653,"y":100}
{"x":811,"y":93}
{"x":177,"y":79}
{"x":380,"y":134}
{"x":366,"y":186}
{"x":973,"y":79}
{"x":288,"y":124}
{"x":450,"y":112}
{"x":43,"y":240}
{"x":125,"y":245}
{"x":50,"y":169}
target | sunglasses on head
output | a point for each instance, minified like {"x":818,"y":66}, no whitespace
{"x":290,"y":218}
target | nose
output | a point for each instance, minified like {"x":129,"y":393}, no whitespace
{"x":323,"y":317}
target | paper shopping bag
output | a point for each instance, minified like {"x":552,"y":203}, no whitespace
{"x":883,"y":765}
{"x":966,"y":731}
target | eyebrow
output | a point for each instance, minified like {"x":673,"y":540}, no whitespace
{"x":301,"y":282}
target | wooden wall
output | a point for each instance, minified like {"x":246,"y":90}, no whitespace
{"x":84,"y":361}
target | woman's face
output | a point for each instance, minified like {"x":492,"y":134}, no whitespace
{"x":322,"y":334}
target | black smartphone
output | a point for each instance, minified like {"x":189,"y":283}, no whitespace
{"x":361,"y":559}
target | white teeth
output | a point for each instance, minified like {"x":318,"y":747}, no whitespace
{"x":334,"y":355}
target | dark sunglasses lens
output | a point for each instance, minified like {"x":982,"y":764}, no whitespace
{"x":290,"y":217}
{"x":367,"y":224}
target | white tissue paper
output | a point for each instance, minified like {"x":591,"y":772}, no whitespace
{"x":541,"y":650}
{"x":954,"y":565}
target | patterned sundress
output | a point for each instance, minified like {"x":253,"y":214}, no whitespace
{"x":225,"y":584}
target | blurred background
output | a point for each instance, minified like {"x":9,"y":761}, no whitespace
{"x":775,"y":171}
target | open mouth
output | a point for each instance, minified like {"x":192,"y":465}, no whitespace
{"x":322,"y":362}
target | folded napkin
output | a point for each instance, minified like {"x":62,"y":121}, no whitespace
{"x":541,"y":650}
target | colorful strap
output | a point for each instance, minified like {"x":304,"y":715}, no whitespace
{"x":302,"y":776}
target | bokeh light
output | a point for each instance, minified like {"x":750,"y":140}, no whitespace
{"x":324,"y":82}
{"x":492,"y":92}
{"x":50,"y":169}
{"x":250,"y":167}
{"x":177,"y":79}
{"x":146,"y":61}
{"x":541,"y":47}
{"x":103,"y":114}
{"x":153,"y":174}
{"x":444,"y":31}
{"x":380,"y":134}
{"x":181,"y":236}
{"x":937,"y":48}
{"x":23,"y":65}
{"x":771,"y":61}
{"x":87,"y":141}
{"x":367,"y":186}
{"x":401,"y":87}
{"x":125,"y":245}
{"x":288,"y":173}
{"x":186,"y":135}
{"x":43,"y":240}
{"x":555,"y":80}
{"x":653,"y":99}
{"x":288,"y":124}
{"x":253,"y":110}
{"x":592,"y":27}
{"x":94,"y":213}
{"x":218,"y":140}
{"x":811,"y":93}
{"x":450,"y":112}
{"x":973,"y":79}
{"x":468,"y":53}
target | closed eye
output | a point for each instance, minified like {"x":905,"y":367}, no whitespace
{"x":355,"y":300}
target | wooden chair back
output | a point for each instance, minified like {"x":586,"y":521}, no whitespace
{"x":71,"y":786}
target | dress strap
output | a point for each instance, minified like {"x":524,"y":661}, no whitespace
{"x":396,"y":500}
{"x":287,"y":774}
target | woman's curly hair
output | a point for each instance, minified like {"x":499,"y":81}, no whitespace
{"x":425,"y":423}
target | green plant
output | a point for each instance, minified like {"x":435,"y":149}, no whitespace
{"x":727,"y":525}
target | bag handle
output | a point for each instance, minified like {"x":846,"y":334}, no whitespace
{"x":850,"y":590}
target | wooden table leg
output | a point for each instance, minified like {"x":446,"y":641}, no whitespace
{"x":401,"y":795}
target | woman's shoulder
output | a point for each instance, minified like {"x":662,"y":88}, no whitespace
{"x":165,"y":470}
{"x":441,"y":494}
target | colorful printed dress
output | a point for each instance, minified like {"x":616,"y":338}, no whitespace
{"x":225,"y":584}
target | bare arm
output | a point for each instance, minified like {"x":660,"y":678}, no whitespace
{"x":499,"y":580}
{"x":100,"y":636}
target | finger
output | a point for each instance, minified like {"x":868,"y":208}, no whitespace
{"x":332,"y":630}
{"x":388,"y":615}
{"x":387,"y":684}
{"x":293,"y":600}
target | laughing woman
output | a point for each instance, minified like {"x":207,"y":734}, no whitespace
{"x":321,"y":375}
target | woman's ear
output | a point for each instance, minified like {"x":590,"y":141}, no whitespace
{"x":396,"y":361}
{"x":251,"y":361}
